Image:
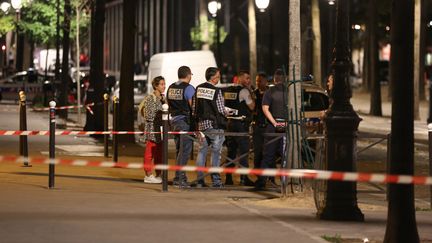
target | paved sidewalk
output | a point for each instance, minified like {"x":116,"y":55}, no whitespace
{"x":382,"y":125}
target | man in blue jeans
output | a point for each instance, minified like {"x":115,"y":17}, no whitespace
{"x":179,"y":96}
{"x":210,"y":114}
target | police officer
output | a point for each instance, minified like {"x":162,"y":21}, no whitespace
{"x":209,"y":111}
{"x":259,"y":119}
{"x":241,"y":99}
{"x":180,"y":95}
{"x":273,"y":106}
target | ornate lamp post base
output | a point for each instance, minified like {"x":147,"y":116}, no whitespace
{"x":341,"y":199}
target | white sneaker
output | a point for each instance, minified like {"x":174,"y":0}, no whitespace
{"x":151,"y":179}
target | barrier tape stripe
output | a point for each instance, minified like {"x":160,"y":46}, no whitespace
{"x":63,"y":107}
{"x":74,"y":133}
{"x":296,"y":173}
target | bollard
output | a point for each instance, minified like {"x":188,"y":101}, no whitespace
{"x":115,"y":124}
{"x":106,"y":136}
{"x":165,"y":121}
{"x":23,"y":144}
{"x":52,"y":123}
{"x":430,"y":159}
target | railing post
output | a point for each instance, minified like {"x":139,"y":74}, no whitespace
{"x":106,"y":136}
{"x":165,"y":121}
{"x":52,"y":124}
{"x":115,"y":124}
{"x":23,"y":127}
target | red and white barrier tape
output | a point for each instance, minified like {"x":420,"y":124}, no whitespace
{"x":74,"y":133}
{"x":66,"y":107}
{"x":295,"y":173}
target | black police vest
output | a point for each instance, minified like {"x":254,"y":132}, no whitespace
{"x":232,"y":96}
{"x":178,"y":105}
{"x":206,"y":108}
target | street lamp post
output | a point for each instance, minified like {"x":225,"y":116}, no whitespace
{"x":17,"y":5}
{"x":341,"y":122}
{"x":213,"y":8}
{"x":429,"y":119}
{"x":262,"y":6}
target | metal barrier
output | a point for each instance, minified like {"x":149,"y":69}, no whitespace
{"x":52,"y":124}
{"x":23,"y":143}
{"x":381,"y":138}
{"x":115,"y":128}
{"x":106,"y":136}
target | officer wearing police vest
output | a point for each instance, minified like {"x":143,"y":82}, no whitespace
{"x":240,"y":98}
{"x":209,"y":111}
{"x":179,"y":96}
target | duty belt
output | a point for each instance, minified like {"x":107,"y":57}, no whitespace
{"x":239,"y":118}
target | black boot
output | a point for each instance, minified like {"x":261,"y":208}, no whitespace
{"x":260,"y":183}
{"x":245,"y":181}
{"x":228,"y":179}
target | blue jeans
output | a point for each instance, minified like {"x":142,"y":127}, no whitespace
{"x":215,"y":141}
{"x":183,"y":146}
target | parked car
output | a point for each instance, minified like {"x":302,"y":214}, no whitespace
{"x":30,"y":81}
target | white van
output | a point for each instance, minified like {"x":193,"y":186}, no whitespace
{"x":167,"y":64}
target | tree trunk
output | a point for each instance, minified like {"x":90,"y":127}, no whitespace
{"x":373,"y":79}
{"x":306,"y":37}
{"x":401,"y":220}
{"x":3,"y":55}
{"x":126,"y":73}
{"x":20,"y":52}
{"x":418,"y":70}
{"x":96,"y":88}
{"x":31,"y":58}
{"x":366,"y":59}
{"x":423,"y":24}
{"x":203,"y":16}
{"x":252,"y":38}
{"x":57,"y":61}
{"x":65,"y":59}
{"x":294,"y":94}
{"x":316,"y":53}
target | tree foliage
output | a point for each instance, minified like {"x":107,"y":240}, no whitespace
{"x":6,"y":24}
{"x":38,"y":20}
{"x":206,"y":26}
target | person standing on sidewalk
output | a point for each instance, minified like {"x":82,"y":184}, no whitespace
{"x":241,"y":99}
{"x":259,"y":119}
{"x":273,"y":106}
{"x":209,"y":112}
{"x":152,"y":116}
{"x":179,"y":96}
